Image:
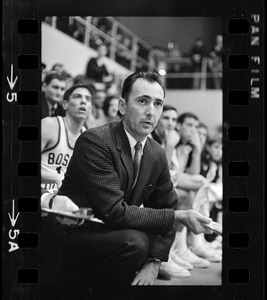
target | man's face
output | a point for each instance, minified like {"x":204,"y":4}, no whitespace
{"x":79,"y":105}
{"x":99,"y":98}
{"x":168,"y":119}
{"x":215,"y":151}
{"x":113,"y":108}
{"x":54,"y":91}
{"x":102,"y":50}
{"x":188,"y":129}
{"x":203,"y":134}
{"x":143,"y":109}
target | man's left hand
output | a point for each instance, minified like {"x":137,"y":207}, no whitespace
{"x":148,"y":274}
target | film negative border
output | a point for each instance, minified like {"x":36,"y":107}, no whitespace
{"x":244,"y":94}
{"x":243,"y":151}
{"x":21,"y":116}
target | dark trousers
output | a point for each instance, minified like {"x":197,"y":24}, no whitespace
{"x":95,"y":262}
{"x":106,"y":257}
{"x":51,"y":270}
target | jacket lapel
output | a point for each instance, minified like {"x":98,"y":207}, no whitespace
{"x":123,"y":147}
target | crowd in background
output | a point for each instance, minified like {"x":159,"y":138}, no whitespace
{"x":106,"y":89}
{"x":171,"y":56}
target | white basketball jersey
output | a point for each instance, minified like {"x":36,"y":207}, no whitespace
{"x":54,"y":160}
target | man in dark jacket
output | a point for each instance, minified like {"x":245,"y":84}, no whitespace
{"x":138,"y":208}
{"x":53,"y":89}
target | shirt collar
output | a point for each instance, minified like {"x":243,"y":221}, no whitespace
{"x":132,"y":142}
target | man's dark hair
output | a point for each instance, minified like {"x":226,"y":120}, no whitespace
{"x":57,"y":65}
{"x":202,"y":125}
{"x":214,"y":140}
{"x":167,"y":107}
{"x":183,"y":116}
{"x":53,"y":75}
{"x":106,"y":103}
{"x":130,"y":80}
{"x":73,"y":88}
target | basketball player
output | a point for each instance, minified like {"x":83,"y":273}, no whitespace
{"x":59,"y":135}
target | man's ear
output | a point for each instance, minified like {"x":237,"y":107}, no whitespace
{"x":178,"y":126}
{"x":122,"y":106}
{"x":44,"y":85}
{"x":65,"y":104}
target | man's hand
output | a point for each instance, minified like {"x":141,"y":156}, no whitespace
{"x":195,"y":141}
{"x":148,"y":274}
{"x":64,"y":204}
{"x":194,"y":221}
{"x":172,"y":138}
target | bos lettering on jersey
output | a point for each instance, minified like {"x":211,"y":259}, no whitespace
{"x":54,"y":161}
{"x":59,"y":159}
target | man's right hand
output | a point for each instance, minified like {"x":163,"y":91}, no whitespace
{"x":64,"y":204}
{"x":194,"y":221}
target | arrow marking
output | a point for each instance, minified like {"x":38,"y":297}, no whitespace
{"x":13,"y":219}
{"x":10,"y":81}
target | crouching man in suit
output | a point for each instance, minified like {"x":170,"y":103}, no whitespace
{"x":129,"y":189}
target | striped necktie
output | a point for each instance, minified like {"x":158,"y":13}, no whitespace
{"x":137,"y":161}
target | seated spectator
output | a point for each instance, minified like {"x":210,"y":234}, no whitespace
{"x":165,"y":132}
{"x":212,"y":170}
{"x":214,"y":147}
{"x":69,"y":80}
{"x":115,"y":86}
{"x":197,"y":54}
{"x":96,"y":69}
{"x":124,"y":53}
{"x":110,"y":108}
{"x":78,"y":31}
{"x":175,"y":65}
{"x":95,"y":40}
{"x":175,"y":53}
{"x":97,"y":117}
{"x":81,"y":79}
{"x":189,"y":148}
{"x":58,"y":67}
{"x":63,"y":24}
{"x":181,"y":260}
{"x":205,"y":156}
{"x":43,"y":70}
{"x":53,"y":88}
{"x":105,"y":25}
{"x":215,"y":62}
{"x":187,"y":161}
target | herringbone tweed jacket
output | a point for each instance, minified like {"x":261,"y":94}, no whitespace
{"x":100,"y":176}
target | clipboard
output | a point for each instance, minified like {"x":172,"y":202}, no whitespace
{"x":81,"y":214}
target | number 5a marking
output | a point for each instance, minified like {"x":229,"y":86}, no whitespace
{"x":13,"y":98}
